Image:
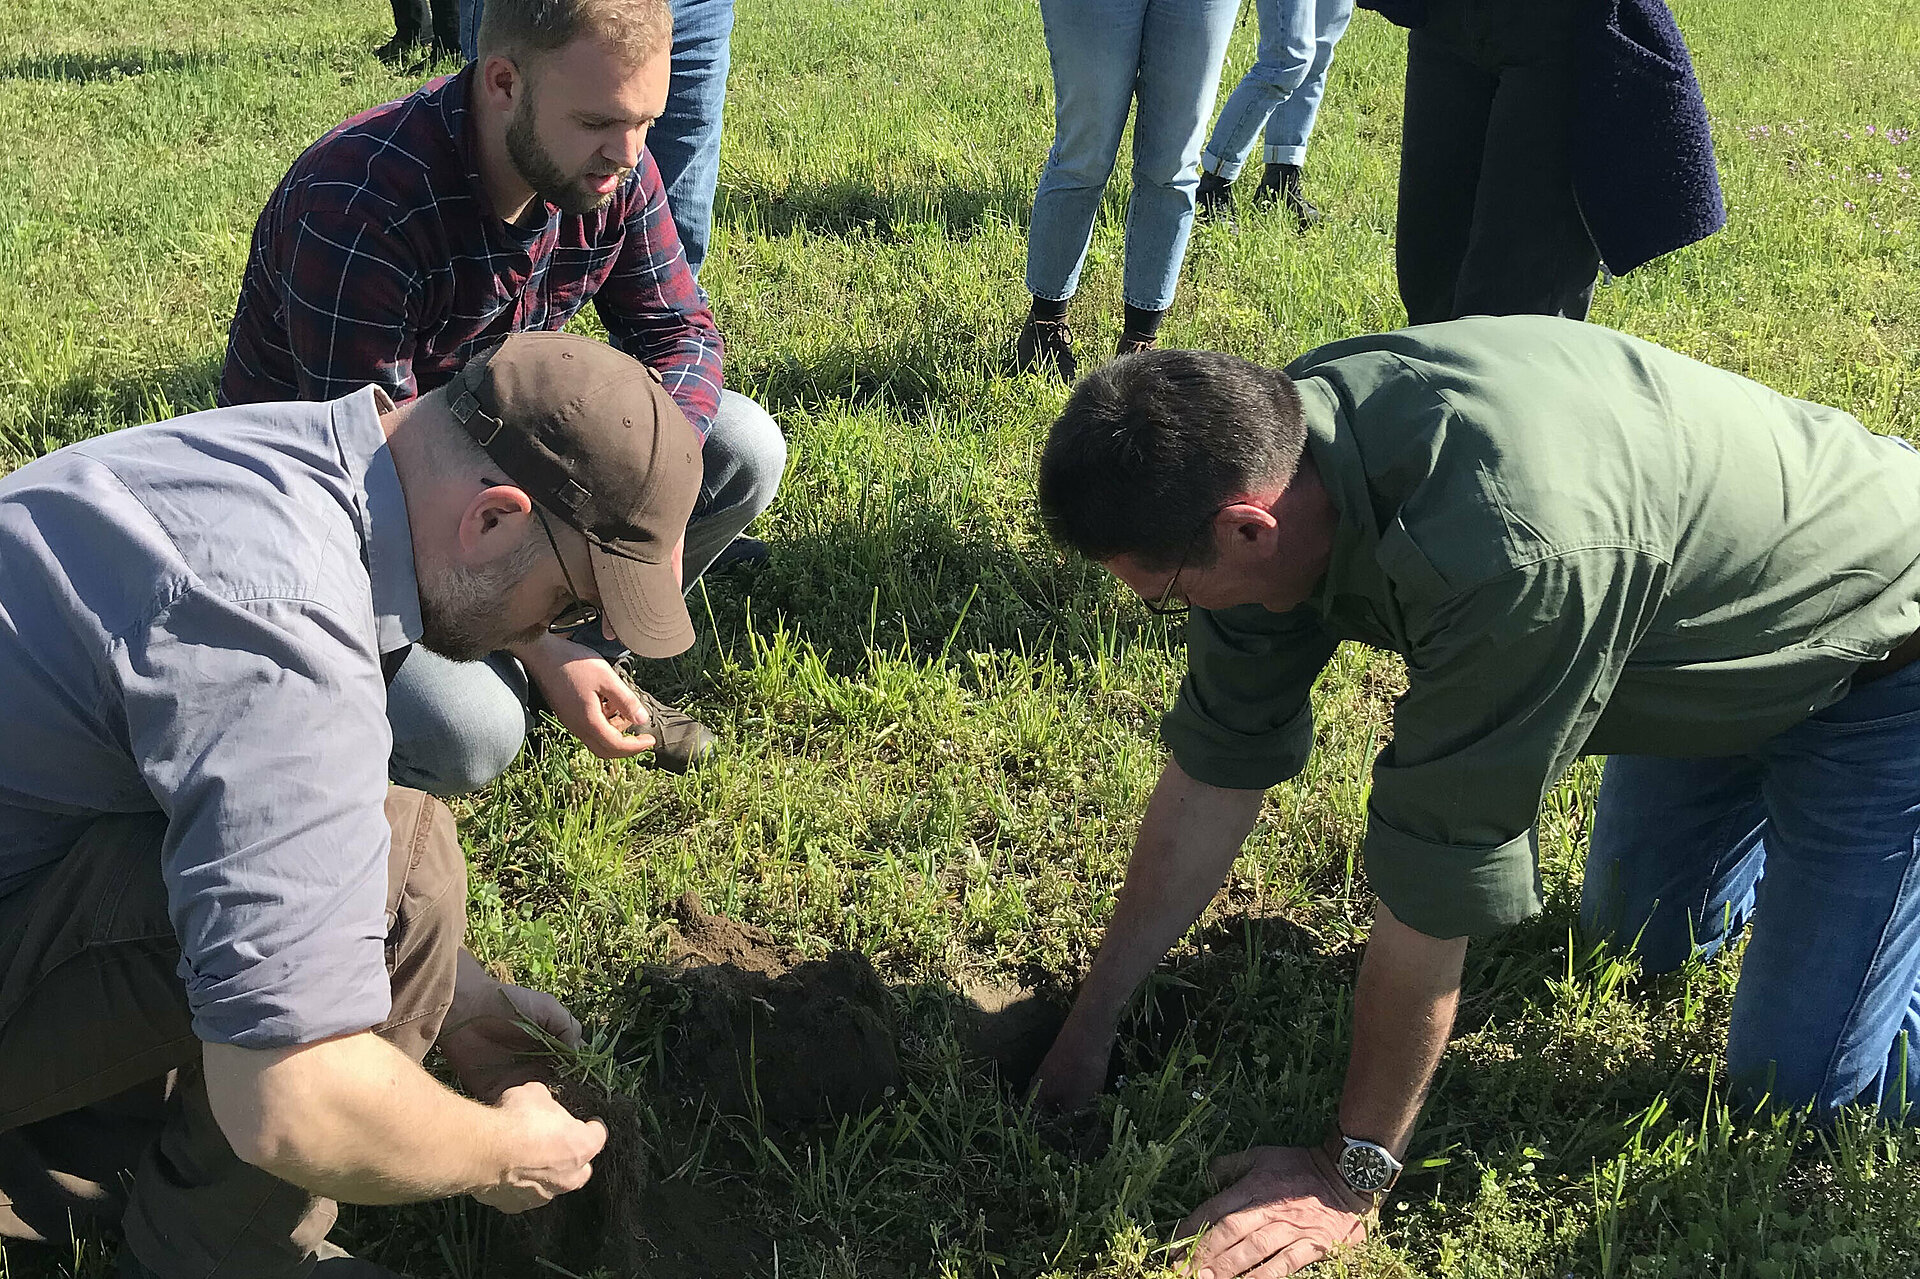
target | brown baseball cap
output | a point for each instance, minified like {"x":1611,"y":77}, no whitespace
{"x":593,"y":437}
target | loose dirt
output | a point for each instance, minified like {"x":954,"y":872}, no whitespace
{"x":799,"y":1039}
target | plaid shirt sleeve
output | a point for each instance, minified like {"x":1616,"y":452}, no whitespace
{"x":349,"y":307}
{"x":655,"y":312}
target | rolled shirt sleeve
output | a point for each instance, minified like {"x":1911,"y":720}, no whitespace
{"x":1505,"y":682}
{"x":260,"y":728}
{"x":1243,"y":719}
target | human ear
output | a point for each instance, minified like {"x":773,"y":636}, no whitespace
{"x":501,"y":82}
{"x":1243,"y":523}
{"x":494,"y":522}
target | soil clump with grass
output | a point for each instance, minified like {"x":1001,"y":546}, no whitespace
{"x":631,"y":1221}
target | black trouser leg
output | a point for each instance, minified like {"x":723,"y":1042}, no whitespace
{"x":1442,"y":139}
{"x":412,"y":24}
{"x":1488,"y":223}
{"x":446,"y":26}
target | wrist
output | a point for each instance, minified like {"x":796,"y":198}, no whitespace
{"x":494,"y":1146}
{"x":1364,"y":1171}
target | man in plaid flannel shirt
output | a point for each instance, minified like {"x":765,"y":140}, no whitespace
{"x":502,"y":199}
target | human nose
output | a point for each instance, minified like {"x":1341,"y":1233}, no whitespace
{"x":626,"y":150}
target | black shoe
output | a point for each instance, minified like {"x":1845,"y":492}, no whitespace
{"x":743,"y":552}
{"x":1045,"y":344}
{"x":1213,"y":202}
{"x":401,"y":53}
{"x":412,"y":32}
{"x":1281,"y":184}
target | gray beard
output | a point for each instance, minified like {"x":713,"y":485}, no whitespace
{"x":460,"y":607}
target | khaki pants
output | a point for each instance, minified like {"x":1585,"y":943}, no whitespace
{"x":101,"y":1100}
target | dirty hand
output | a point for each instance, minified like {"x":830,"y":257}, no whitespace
{"x":484,"y":1038}
{"x":1286,"y":1209}
{"x":588,"y":697}
{"x":548,"y":1151}
{"x":1073,"y":1071}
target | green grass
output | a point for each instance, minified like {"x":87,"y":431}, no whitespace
{"x":940,"y":734}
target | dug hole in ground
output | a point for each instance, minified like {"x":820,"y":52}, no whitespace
{"x":766,"y":1033}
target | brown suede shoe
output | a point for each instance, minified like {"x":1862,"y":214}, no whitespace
{"x":679,"y":740}
{"x":1043,"y":345}
{"x":1133,"y":344}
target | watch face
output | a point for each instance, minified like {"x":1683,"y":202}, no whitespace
{"x":1366,"y":1168}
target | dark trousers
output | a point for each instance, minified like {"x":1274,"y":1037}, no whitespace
{"x":435,"y":22}
{"x":102,"y":1107}
{"x":1488,"y":224}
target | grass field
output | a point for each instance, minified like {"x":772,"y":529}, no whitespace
{"x":940,"y":733}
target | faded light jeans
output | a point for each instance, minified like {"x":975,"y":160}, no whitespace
{"x":1283,"y":87}
{"x":1106,"y":55}
{"x":1814,"y":838}
{"x":458,"y":725}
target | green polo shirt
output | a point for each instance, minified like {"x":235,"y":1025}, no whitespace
{"x":1582,"y":544}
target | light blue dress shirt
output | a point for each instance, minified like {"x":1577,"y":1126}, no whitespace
{"x":192,"y":617}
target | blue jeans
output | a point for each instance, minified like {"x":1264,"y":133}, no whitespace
{"x":1814,"y":836}
{"x":1105,"y":55}
{"x":685,"y":140}
{"x":458,"y":725}
{"x":470,"y":28}
{"x":1283,"y":87}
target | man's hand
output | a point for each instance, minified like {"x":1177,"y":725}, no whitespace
{"x":587,"y":696}
{"x":1287,"y":1208}
{"x":549,"y":1152}
{"x":484,"y":1040}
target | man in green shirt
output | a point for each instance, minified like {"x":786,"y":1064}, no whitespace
{"x":1582,"y":544}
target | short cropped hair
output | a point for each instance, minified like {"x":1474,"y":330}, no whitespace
{"x":525,"y":29}
{"x":1150,"y":446}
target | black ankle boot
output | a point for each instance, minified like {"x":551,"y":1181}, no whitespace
{"x":412,"y":29}
{"x":1213,"y":202}
{"x":1045,"y":344}
{"x":1281,"y":183}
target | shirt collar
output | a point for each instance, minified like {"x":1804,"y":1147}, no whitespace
{"x":456,"y":109}
{"x":388,"y":536}
{"x":1356,"y":539}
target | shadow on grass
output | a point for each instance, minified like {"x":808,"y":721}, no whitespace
{"x":851,"y":206}
{"x":83,"y":405}
{"x":116,"y":64}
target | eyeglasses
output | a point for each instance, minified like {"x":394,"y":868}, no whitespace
{"x":1163,"y":607}
{"x":580,"y":612}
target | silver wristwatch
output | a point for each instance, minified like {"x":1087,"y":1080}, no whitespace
{"x":1367,"y":1167}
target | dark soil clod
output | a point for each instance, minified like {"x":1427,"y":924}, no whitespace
{"x":805,"y":1039}
{"x":627,"y":1221}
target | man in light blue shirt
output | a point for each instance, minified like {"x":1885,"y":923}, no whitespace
{"x":202,"y":866}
